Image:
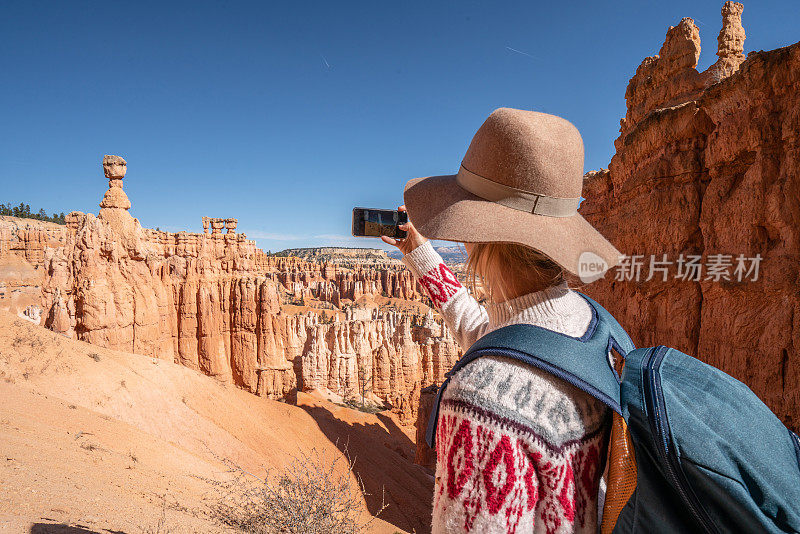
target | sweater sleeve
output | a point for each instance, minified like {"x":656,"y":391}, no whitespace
{"x":465,"y":317}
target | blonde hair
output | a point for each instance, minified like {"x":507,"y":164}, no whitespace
{"x":494,"y":269}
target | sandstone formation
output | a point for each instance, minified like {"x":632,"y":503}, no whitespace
{"x":671,"y":78}
{"x":218,"y":224}
{"x":22,"y":250}
{"x":215,"y":303}
{"x":26,"y":239}
{"x":388,"y":357}
{"x":708,"y":163}
{"x":115,"y":204}
{"x":730,"y":42}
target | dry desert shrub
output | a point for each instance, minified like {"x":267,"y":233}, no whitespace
{"x":354,"y":403}
{"x":26,"y":338}
{"x":310,"y":496}
{"x":160,"y":527}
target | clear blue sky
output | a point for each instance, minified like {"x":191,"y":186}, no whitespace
{"x":288,"y":115}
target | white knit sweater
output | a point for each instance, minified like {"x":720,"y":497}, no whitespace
{"x":517,"y":449}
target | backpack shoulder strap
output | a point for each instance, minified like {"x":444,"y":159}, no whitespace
{"x":583,"y":361}
{"x":620,"y":339}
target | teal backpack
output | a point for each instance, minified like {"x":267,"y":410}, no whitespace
{"x":691,"y":449}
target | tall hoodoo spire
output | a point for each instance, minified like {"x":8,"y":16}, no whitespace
{"x":115,"y":204}
{"x":730,"y":41}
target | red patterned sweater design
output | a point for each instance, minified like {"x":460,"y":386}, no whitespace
{"x":441,"y":284}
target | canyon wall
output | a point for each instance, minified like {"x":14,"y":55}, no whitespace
{"x":27,"y":238}
{"x":707,"y":164}
{"x":214,"y":302}
{"x":22,"y":251}
{"x":389,"y":357}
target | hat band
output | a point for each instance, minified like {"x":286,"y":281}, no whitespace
{"x":514,"y":198}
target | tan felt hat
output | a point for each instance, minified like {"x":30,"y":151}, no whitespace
{"x":520,"y":182}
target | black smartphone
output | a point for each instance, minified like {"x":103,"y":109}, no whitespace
{"x":368,"y":222}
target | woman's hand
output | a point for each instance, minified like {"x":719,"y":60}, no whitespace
{"x":412,"y":241}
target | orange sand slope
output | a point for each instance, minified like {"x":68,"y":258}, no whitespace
{"x":109,"y":441}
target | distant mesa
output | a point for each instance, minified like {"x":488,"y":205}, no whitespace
{"x":345,"y":256}
{"x":453,"y":255}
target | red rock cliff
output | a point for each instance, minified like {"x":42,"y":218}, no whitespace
{"x":709,"y":163}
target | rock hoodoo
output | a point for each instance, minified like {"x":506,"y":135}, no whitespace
{"x":730,"y":41}
{"x":217,"y":225}
{"x":115,"y":204}
{"x":671,"y":78}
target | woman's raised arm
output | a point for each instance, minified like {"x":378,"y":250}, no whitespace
{"x":465,"y":317}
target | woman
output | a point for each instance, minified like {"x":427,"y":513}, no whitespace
{"x":518,"y":450}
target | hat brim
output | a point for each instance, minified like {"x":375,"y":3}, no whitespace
{"x":441,"y":209}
